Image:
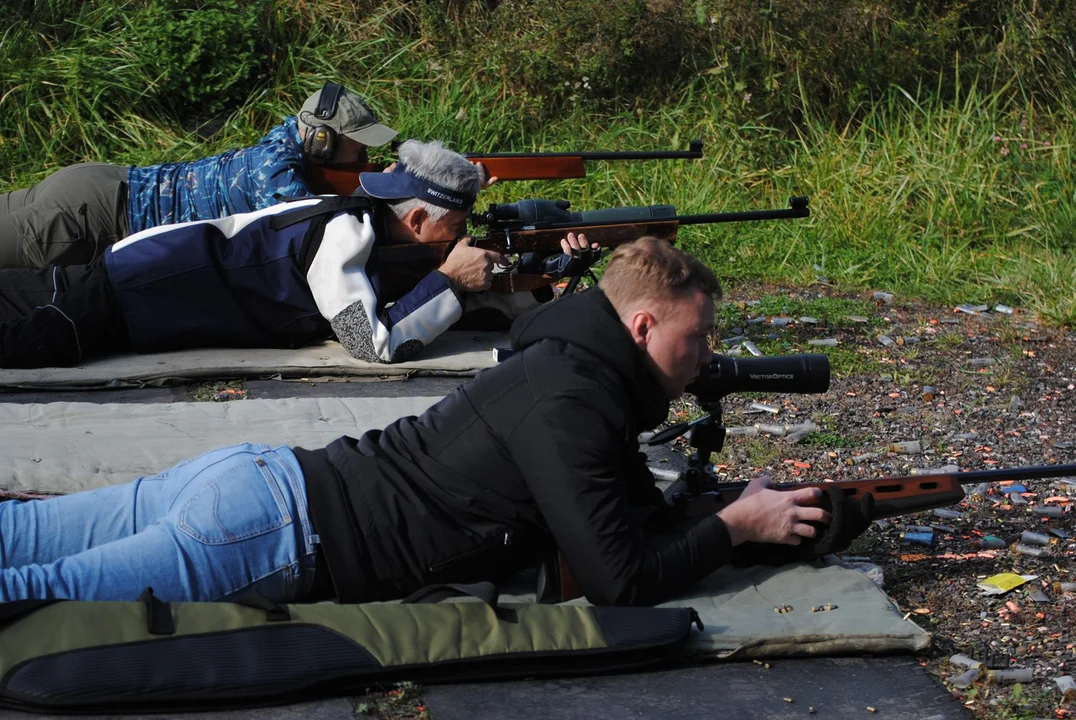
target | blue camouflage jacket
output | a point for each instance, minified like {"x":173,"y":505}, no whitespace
{"x":237,"y":181}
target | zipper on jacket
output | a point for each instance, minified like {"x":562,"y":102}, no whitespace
{"x":503,"y":540}
{"x":84,"y":221}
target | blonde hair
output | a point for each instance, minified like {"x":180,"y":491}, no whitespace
{"x":650,"y":270}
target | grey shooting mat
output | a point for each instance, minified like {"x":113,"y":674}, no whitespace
{"x":65,"y":447}
{"x":737,"y":606}
{"x":455,"y":352}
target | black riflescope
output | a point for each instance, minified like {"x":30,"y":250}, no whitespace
{"x":804,"y":373}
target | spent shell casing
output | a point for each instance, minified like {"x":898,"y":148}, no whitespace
{"x":746,"y":431}
{"x":775,"y":430}
{"x":1013,"y":675}
{"x":1033,"y":538}
{"x":1067,"y":686}
{"x":918,"y":538}
{"x":1052,"y":511}
{"x":1066,"y":587}
{"x":823,"y":342}
{"x":979,"y":490}
{"x":917,"y":529}
{"x":944,"y":528}
{"x":943,"y":470}
{"x":765,"y":408}
{"x":966,"y":678}
{"x":666,"y":474}
{"x":908,"y":447}
{"x":948,"y":514}
{"x":751,"y":348}
{"x":964,"y":661}
{"x":794,"y":437}
{"x":989,"y":542}
{"x":1028,"y":550}
{"x":1017,"y":499}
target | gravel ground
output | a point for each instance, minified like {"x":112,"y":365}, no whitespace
{"x":973,"y":391}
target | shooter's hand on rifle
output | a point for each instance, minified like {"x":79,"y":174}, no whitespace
{"x":764,"y":515}
{"x":847,"y":518}
{"x":576,"y":245}
{"x":486,"y":179}
{"x":470,"y":269}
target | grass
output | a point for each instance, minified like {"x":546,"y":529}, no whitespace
{"x":967,"y":200}
{"x":209,"y":391}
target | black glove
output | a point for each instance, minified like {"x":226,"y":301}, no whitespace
{"x":849,"y":517}
{"x":559,"y":265}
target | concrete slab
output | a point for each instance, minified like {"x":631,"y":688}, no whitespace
{"x":896,"y":687}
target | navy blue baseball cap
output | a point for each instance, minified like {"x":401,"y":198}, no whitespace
{"x":401,"y":184}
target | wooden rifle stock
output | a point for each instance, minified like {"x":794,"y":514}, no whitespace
{"x":343,"y":179}
{"x":892,"y":496}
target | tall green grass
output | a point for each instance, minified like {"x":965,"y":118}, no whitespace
{"x":961,"y":195}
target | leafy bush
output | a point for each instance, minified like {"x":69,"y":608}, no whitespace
{"x":203,"y":58}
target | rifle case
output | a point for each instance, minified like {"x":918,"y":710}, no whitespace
{"x":150,"y":655}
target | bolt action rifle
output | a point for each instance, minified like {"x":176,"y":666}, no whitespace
{"x":700,"y":490}
{"x":531,"y":230}
{"x":808,"y":374}
{"x":343,"y":179}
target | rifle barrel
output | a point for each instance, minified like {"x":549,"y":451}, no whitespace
{"x":796,"y":211}
{"x":694,"y":153}
{"x":705,"y":219}
{"x":1039,"y":472}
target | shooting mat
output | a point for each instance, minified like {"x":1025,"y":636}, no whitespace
{"x":64,"y":447}
{"x":455,"y":353}
{"x":737,"y":607}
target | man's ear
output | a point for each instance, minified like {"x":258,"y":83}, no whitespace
{"x":640,"y":325}
{"x":415,"y":219}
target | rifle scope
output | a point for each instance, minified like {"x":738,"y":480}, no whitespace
{"x":538,"y":213}
{"x":803,"y":373}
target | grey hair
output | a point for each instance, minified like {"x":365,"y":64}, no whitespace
{"x":434,"y":162}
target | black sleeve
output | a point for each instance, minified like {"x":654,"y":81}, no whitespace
{"x":574,"y":463}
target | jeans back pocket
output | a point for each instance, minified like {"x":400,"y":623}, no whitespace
{"x":239,"y":498}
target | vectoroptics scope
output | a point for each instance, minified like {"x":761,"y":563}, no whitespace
{"x":804,"y":373}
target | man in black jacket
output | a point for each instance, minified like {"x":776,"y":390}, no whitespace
{"x":539,"y":452}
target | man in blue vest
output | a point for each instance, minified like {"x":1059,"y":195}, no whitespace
{"x":291,"y":274}
{"x":73,"y":215}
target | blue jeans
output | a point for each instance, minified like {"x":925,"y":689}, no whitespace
{"x":226,"y":523}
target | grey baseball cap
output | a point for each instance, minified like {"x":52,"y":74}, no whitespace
{"x":352,"y":119}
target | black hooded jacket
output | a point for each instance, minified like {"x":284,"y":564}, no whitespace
{"x":539,"y":450}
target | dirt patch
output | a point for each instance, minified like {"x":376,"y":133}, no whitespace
{"x":971,"y":389}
